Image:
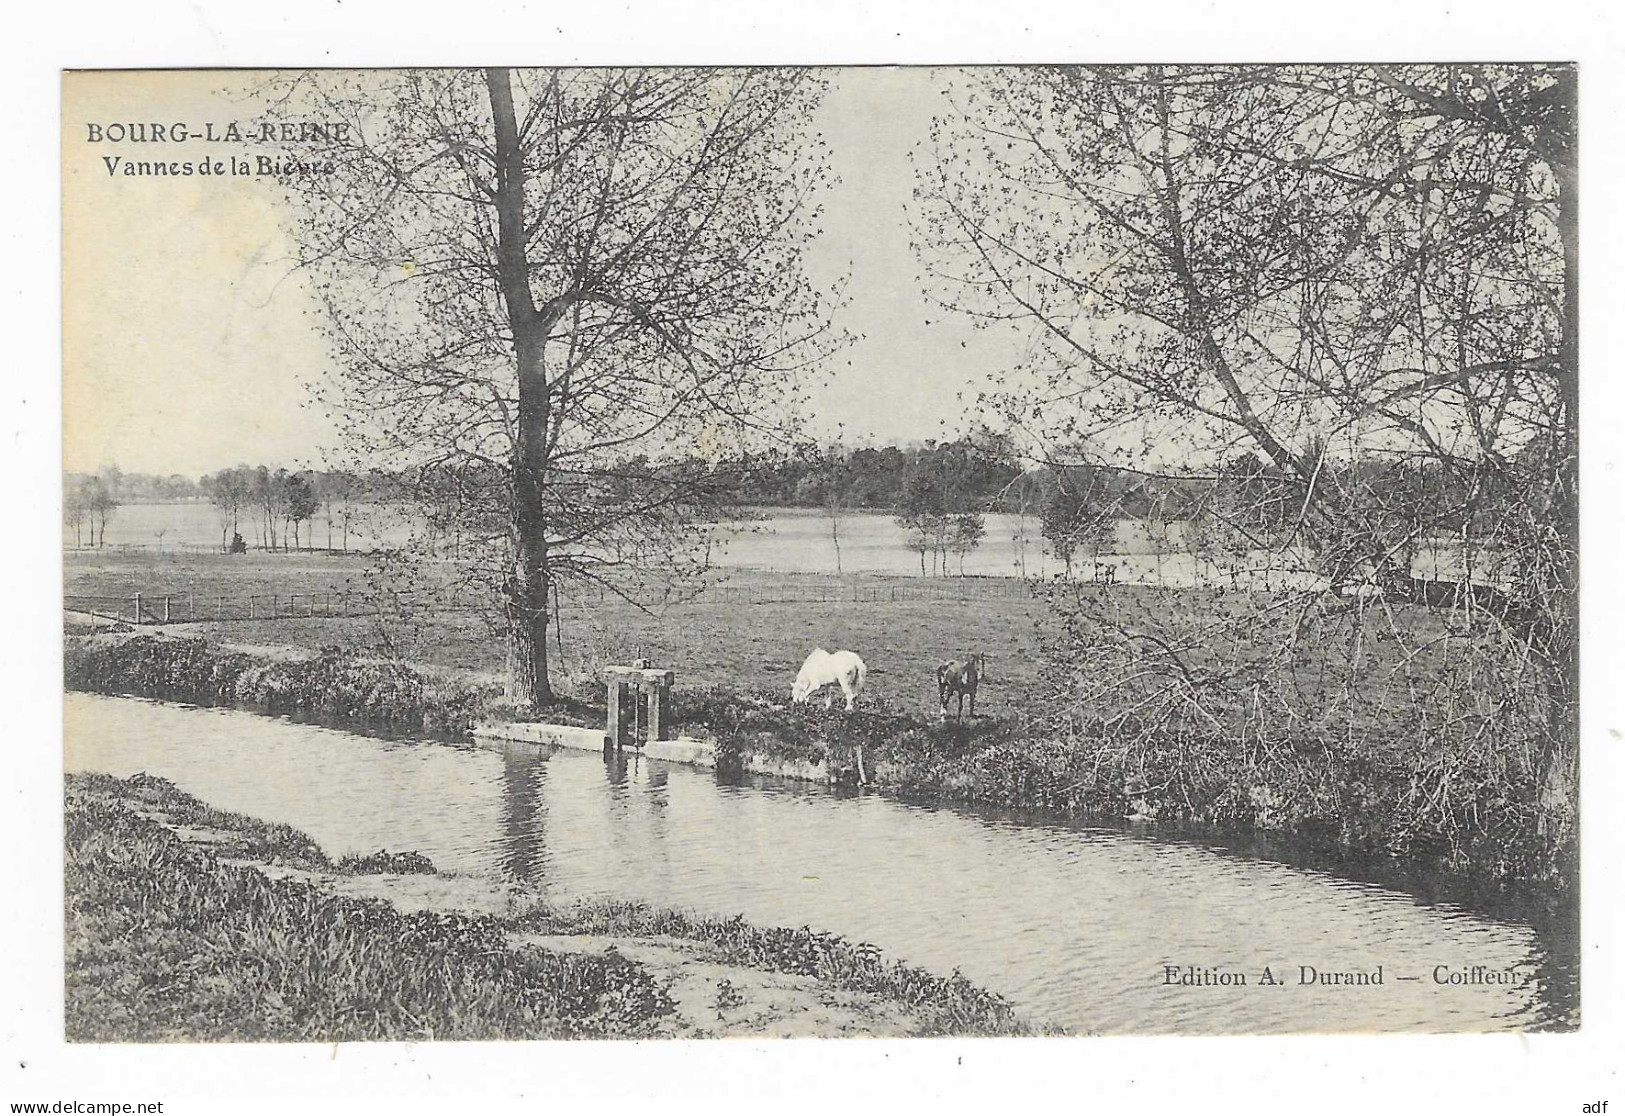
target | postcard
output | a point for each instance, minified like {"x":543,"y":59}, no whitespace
{"x":820,"y":552}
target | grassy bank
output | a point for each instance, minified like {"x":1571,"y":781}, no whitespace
{"x":1357,"y":795}
{"x":188,"y":923}
{"x":166,"y":942}
{"x":332,"y":683}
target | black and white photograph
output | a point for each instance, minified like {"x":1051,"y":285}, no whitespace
{"x":1015,"y":574}
{"x":820,"y":552}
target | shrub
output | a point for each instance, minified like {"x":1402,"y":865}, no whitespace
{"x":335,"y":683}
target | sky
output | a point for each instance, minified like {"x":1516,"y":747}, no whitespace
{"x":188,"y":341}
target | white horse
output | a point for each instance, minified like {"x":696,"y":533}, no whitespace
{"x":830,"y":668}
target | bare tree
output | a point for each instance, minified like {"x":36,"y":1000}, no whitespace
{"x":302,"y":503}
{"x":74,"y":509}
{"x":1076,"y":511}
{"x":100,"y":500}
{"x":1356,"y":272}
{"x":832,"y":511}
{"x":228,"y":491}
{"x":966,"y":531}
{"x":269,"y":492}
{"x":566,"y":301}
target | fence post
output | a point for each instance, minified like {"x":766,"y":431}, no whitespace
{"x":138,"y":608}
{"x":166,"y":608}
{"x":274,"y":608}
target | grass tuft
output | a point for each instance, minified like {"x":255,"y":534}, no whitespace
{"x":383,"y":862}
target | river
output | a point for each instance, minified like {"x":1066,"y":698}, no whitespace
{"x":1078,"y":926}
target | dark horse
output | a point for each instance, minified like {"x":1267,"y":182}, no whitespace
{"x":960,"y":677}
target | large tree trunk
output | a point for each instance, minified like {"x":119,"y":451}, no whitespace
{"x":528,"y":587}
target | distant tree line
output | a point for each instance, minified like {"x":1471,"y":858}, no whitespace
{"x":939,"y":492}
{"x":1245,"y":503}
{"x":137,"y":488}
{"x":877,"y":479}
{"x":274,"y":504}
{"x":88,"y":503}
{"x":90,"y":499}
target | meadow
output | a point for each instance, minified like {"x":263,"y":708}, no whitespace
{"x":751,"y":629}
{"x":722,"y":639}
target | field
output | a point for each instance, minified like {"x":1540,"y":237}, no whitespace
{"x":722,"y":639}
{"x":750,"y":631}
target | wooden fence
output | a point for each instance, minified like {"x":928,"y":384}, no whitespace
{"x":192,"y":546}
{"x":194,"y":607}
{"x":185,"y":608}
{"x":894,"y":592}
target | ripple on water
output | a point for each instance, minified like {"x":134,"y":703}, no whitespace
{"x":1075,"y":925}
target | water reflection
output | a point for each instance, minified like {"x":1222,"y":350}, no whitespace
{"x":524,"y":826}
{"x":1078,"y":926}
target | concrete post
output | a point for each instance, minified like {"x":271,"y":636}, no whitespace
{"x":659,"y":688}
{"x":617,"y":703}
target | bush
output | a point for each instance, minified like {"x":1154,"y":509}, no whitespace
{"x":335,"y":683}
